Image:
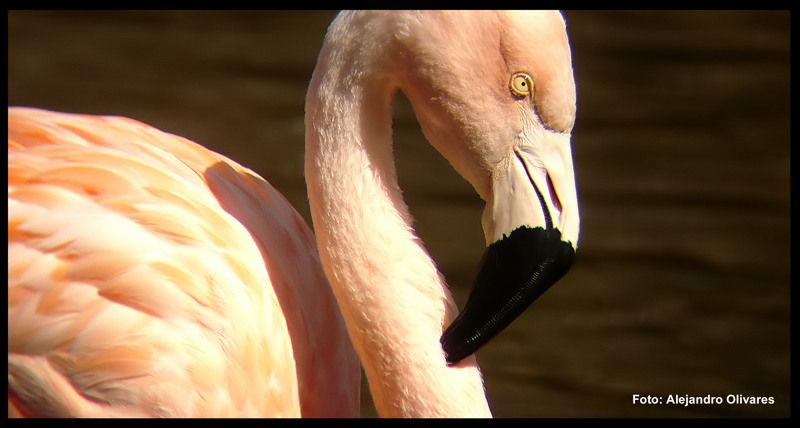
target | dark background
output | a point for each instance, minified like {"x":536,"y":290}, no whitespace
{"x":681,"y":148}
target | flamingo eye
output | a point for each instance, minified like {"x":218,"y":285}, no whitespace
{"x":521,"y":84}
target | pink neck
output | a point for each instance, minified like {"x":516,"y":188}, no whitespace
{"x":394,"y":300}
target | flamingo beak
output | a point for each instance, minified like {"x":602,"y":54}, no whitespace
{"x":531,"y":225}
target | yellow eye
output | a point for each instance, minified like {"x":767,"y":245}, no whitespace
{"x":521,"y":84}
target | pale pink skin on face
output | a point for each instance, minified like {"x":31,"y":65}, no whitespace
{"x":149,"y":276}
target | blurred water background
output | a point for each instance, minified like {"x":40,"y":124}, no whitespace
{"x":681,"y":148}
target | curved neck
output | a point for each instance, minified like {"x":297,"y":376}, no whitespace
{"x":394,"y":300}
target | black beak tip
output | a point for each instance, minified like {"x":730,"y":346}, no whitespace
{"x":451,"y":354}
{"x":452,"y":357}
{"x":514,"y":272}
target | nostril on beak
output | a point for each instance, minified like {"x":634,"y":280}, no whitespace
{"x":554,"y":198}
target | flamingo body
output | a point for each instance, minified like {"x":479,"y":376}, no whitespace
{"x":149,"y":276}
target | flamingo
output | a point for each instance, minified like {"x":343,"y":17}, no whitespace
{"x":149,"y":276}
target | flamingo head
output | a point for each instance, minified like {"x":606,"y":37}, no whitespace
{"x":494,"y":93}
